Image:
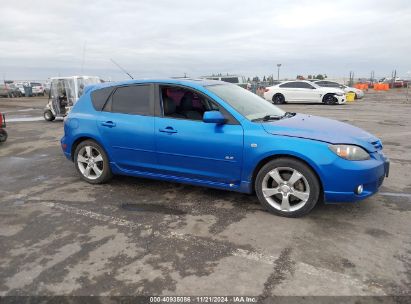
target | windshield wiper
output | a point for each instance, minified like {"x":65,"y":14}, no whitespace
{"x":274,"y":117}
{"x":289,"y":114}
{"x":268,"y":117}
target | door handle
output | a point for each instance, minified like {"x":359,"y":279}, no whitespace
{"x":169,"y":130}
{"x":109,"y":124}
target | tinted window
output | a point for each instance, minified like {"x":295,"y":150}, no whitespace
{"x":99,"y":97}
{"x":288,"y":85}
{"x":230,"y":79}
{"x":132,"y":100}
{"x":332,"y":84}
{"x":303,"y":85}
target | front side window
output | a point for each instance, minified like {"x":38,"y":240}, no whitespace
{"x":303,"y":85}
{"x":333,"y":84}
{"x":132,"y":100}
{"x":183,"y":103}
{"x":288,"y":85}
{"x":245,"y":102}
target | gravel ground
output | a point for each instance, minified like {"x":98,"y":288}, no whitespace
{"x":62,"y":236}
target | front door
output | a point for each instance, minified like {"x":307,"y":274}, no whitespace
{"x":190,"y":148}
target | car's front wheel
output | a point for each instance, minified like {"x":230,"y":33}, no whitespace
{"x":329,"y":99}
{"x":92,"y":163}
{"x":287,"y":187}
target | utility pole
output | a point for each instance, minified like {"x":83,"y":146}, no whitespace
{"x":278,"y":71}
{"x":394,"y":75}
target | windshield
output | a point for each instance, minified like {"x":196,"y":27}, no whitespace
{"x":246,"y":103}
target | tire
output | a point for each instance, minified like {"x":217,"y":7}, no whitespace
{"x":329,"y":99}
{"x":278,"y":98}
{"x":285,"y":198}
{"x":94,"y":170}
{"x":3,"y":135}
{"x":48,"y":115}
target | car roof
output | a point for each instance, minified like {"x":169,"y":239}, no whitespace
{"x":295,"y":80}
{"x":192,"y":82}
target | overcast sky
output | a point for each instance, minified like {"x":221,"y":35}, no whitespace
{"x":41,"y":39}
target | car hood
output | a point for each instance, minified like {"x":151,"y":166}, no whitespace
{"x":322,"y":129}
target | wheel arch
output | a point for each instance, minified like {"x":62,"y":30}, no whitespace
{"x":269,"y":158}
{"x":82,"y":138}
{"x":276,"y":94}
{"x":328,"y":94}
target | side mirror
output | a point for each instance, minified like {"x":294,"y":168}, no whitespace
{"x":214,"y":117}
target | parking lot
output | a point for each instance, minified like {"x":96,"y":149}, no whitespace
{"x":60,"y":235}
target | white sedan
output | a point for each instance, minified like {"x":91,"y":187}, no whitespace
{"x":332,"y":84}
{"x":303,"y":91}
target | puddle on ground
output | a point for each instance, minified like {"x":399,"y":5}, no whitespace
{"x":22,"y":119}
{"x":151,"y":208}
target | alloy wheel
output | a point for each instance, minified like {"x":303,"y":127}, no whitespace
{"x":90,"y":162}
{"x":285,"y":189}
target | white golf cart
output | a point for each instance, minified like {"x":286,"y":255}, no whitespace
{"x":64,"y":93}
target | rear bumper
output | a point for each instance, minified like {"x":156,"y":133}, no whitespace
{"x":65,"y":147}
{"x":351,"y":174}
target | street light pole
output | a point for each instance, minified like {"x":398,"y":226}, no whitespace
{"x":278,"y":71}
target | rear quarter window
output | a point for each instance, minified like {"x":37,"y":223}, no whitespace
{"x":99,"y":97}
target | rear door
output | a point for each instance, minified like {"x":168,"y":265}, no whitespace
{"x":126,"y":125}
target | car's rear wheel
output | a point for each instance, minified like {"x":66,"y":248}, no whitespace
{"x":287,"y":187}
{"x":92,"y":163}
{"x":278,"y":99}
{"x":329,"y":99}
{"x":48,"y":115}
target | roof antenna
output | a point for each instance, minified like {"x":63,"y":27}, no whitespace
{"x":121,"y":68}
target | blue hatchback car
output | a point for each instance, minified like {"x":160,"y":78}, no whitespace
{"x":216,"y":134}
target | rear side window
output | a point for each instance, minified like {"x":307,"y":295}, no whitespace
{"x":132,"y":100}
{"x":99,"y":97}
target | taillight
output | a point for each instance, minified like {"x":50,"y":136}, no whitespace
{"x":266,"y":90}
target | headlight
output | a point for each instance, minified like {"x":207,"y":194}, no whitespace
{"x":350,"y":152}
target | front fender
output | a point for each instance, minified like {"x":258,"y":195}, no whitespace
{"x":315,"y":153}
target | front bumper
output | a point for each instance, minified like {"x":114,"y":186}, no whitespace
{"x":345,"y":176}
{"x":340,"y":99}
